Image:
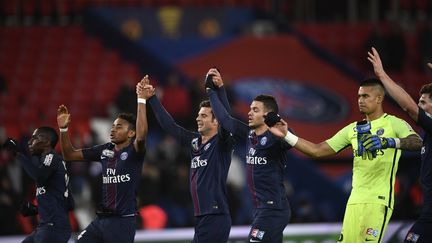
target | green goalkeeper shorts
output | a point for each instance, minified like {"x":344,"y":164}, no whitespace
{"x":365,"y":223}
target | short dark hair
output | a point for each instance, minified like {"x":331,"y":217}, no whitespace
{"x":130,"y":118}
{"x":426,"y":89}
{"x":372,"y":82}
{"x":269,"y":101}
{"x":50,"y":133}
{"x":206,"y":103}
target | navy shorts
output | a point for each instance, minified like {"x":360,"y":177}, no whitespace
{"x":268,"y":225}
{"x":212,"y":228}
{"x":48,"y":234}
{"x":420,"y":232}
{"x":109,"y":230}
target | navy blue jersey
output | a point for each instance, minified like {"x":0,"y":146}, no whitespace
{"x":209,"y":163}
{"x":266,"y":159}
{"x":49,"y":172}
{"x":425,"y":121}
{"x":121,"y":171}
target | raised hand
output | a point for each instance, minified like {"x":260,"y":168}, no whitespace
{"x":213,"y":79}
{"x":144,"y":89}
{"x":63,"y":117}
{"x":375,"y":59}
{"x":217,"y":77}
{"x":280,"y":129}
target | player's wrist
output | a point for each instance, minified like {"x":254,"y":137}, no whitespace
{"x":393,"y":142}
{"x":291,"y":139}
{"x":63,"y":129}
{"x":141,"y":101}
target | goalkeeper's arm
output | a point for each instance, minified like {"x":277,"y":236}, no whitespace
{"x":411,"y":143}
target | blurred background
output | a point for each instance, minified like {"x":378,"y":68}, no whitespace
{"x":309,"y":54}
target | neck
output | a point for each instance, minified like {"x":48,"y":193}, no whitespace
{"x":206,"y":137}
{"x":121,"y":146}
{"x":261,"y":129}
{"x":46,"y":151}
{"x":374,"y":116}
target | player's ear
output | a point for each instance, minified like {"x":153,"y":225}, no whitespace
{"x":380,"y":99}
{"x":131,"y":133}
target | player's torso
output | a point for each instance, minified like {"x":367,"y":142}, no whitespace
{"x":373,"y":179}
{"x":209,"y":166}
{"x":121,"y":172}
{"x":426,"y":170}
{"x":266,"y":160}
{"x":52,"y":195}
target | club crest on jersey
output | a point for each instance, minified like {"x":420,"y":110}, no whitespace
{"x":48,"y":159}
{"x":263,"y":141}
{"x":106,"y":153}
{"x":412,"y":237}
{"x":371,"y":231}
{"x":380,"y":131}
{"x":124,"y":156}
{"x":207,"y":146}
{"x":256,"y":233}
{"x":195,"y":144}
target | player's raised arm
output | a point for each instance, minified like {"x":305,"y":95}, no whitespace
{"x":165,"y":120}
{"x":141,"y":121}
{"x":68,"y":151}
{"x":215,"y":82}
{"x":314,"y":150}
{"x":398,"y":93}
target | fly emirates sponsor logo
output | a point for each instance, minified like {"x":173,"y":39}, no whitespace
{"x":255,"y":160}
{"x":197,"y":162}
{"x":111,"y":177}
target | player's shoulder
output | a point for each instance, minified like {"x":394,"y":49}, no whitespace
{"x":350,"y":126}
{"x":52,"y":158}
{"x":398,"y":123}
{"x":393,"y":119}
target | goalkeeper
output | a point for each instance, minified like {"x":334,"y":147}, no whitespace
{"x":376,"y":143}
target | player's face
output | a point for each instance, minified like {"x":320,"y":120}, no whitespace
{"x":205,"y":121}
{"x":256,"y":114}
{"x":37,"y":143}
{"x":425,"y":102}
{"x":369,"y":98}
{"x":120,"y":131}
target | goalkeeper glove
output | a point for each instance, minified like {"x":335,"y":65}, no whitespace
{"x":374,"y":142}
{"x":271,"y":118}
{"x":363,"y":130}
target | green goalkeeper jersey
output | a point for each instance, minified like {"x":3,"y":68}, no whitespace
{"x":373,"y":180}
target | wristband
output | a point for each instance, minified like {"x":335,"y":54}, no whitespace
{"x":291,"y":139}
{"x":141,"y":100}
{"x":63,"y":129}
{"x":397,"y":142}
